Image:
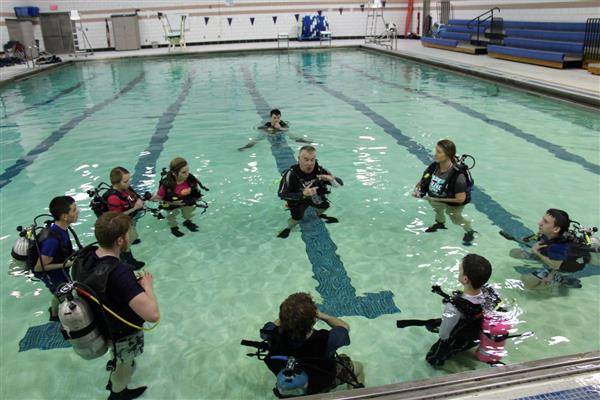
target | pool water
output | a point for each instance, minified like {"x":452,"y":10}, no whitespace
{"x":375,"y":121}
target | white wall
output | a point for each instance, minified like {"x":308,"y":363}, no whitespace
{"x":350,"y":23}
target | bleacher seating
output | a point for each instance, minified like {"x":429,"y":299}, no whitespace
{"x":552,"y":44}
{"x":456,"y":38}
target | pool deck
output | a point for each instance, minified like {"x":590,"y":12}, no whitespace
{"x":560,"y":378}
{"x":573,"y":84}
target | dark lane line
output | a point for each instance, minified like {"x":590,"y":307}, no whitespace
{"x":334,"y":284}
{"x":46,"y":144}
{"x":481,"y":200}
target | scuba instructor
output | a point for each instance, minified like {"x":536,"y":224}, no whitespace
{"x":446,"y":185}
{"x":118,"y":289}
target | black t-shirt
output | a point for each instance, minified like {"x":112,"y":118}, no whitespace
{"x":121,"y":287}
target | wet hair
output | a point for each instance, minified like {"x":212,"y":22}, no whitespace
{"x":110,"y":226}
{"x":116,"y":174}
{"x":449,"y":148}
{"x":60,"y":205}
{"x":297,"y":315}
{"x":175,"y":166}
{"x":307,"y":148}
{"x":561,"y":219}
{"x":477,"y":268}
{"x":275,"y":112}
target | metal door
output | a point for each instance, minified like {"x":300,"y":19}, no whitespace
{"x":56,"y":30}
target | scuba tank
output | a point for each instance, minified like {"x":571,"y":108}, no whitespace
{"x":291,"y":381}
{"x":494,"y":332}
{"x":20,"y":249}
{"x":79,"y":326}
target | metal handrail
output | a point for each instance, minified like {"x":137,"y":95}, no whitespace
{"x":479,"y":20}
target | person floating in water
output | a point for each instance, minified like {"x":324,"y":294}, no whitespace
{"x":560,"y":254}
{"x":304,"y":185}
{"x":273,"y":127}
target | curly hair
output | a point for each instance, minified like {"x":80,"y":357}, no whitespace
{"x":297,"y":315}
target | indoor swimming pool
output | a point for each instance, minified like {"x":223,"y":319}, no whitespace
{"x":374,"y":120}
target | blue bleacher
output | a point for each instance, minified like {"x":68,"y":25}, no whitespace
{"x":562,"y":47}
{"x":546,"y":35}
{"x":548,"y":26}
{"x":554,"y":44}
{"x":520,"y":53}
{"x":464,"y":37}
{"x":464,"y":22}
{"x":442,"y":42}
{"x":464,"y":29}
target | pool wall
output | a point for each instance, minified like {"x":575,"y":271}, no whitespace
{"x":252,"y":20}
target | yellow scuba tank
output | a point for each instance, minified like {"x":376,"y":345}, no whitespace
{"x":79,"y":327}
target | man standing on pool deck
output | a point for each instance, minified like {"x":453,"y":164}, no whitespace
{"x":304,"y":185}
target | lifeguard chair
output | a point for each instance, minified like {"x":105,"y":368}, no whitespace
{"x":174,"y":37}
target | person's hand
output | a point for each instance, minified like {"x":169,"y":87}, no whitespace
{"x":277,"y":125}
{"x":537,"y":247}
{"x":146,"y":280}
{"x":417,"y":192}
{"x":186,"y":192}
{"x":327,"y":178}
{"x":69,"y":263}
{"x":138,"y":204}
{"x":320,"y":315}
{"x":309,"y":191}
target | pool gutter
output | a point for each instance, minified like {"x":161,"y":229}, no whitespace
{"x":480,"y":382}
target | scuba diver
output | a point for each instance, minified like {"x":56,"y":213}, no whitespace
{"x":303,"y":359}
{"x":273,"y":127}
{"x":52,"y":247}
{"x":447,"y":185}
{"x":179,"y":190}
{"x":460,"y":327}
{"x":305,"y":184}
{"x":122,"y":198}
{"x":120,"y":301}
{"x":562,"y":250}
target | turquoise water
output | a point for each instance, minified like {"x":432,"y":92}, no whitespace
{"x":374,"y":120}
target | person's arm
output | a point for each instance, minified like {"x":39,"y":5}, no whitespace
{"x":550,"y":263}
{"x":138,"y":205}
{"x":299,"y":139}
{"x":332,"y":180}
{"x":253,"y":141}
{"x":48,"y":250}
{"x":145,"y":304}
{"x":48,"y":266}
{"x":287,"y":191}
{"x":450,"y":318}
{"x":116,"y":204}
{"x":332,"y":321}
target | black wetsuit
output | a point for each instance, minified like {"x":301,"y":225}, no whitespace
{"x":293,"y":183}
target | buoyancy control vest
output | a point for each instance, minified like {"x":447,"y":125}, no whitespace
{"x":311,"y":355}
{"x":94,"y":272}
{"x":457,"y":169}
